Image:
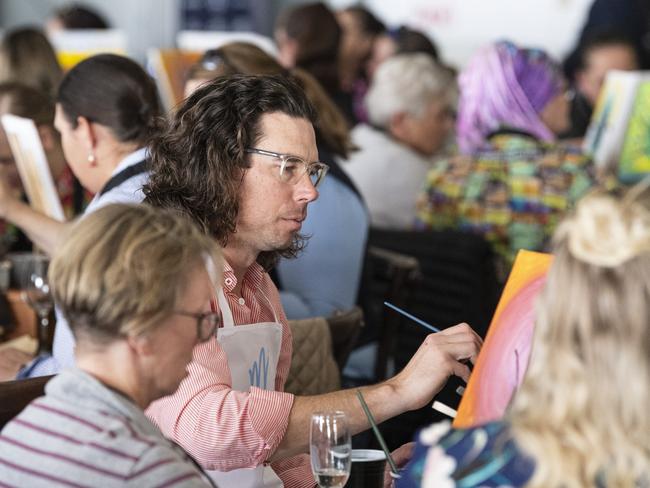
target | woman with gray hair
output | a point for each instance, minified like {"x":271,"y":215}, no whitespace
{"x":134,"y":283}
{"x":410,"y":106}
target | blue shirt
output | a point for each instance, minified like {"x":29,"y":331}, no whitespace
{"x":326,"y":276}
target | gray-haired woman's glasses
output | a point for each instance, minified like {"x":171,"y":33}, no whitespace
{"x":206,"y":323}
{"x":293,"y":168}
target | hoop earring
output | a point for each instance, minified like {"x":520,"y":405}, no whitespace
{"x":92,"y":160}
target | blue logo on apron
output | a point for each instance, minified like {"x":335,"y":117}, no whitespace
{"x":259,"y":370}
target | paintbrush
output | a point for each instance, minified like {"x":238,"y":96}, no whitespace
{"x":412,"y":317}
{"x":375,"y":429}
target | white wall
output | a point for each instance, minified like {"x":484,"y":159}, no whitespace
{"x":460,"y":27}
{"x":146,"y":22}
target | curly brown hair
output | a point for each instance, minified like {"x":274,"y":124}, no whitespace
{"x":198,"y":160}
{"x":249,"y":59}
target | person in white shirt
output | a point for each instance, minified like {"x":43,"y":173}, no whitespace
{"x":106,"y":111}
{"x":410,"y":107}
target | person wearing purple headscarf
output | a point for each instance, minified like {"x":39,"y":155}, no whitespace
{"x":505,"y":87}
{"x":512,"y":181}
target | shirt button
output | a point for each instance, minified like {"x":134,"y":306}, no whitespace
{"x":228,"y":281}
{"x":242,"y":301}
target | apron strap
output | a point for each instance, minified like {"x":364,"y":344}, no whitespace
{"x":125,"y":174}
{"x":275,"y":316}
{"x":226,"y":313}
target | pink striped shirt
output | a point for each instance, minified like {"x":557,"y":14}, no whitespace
{"x":224,"y":429}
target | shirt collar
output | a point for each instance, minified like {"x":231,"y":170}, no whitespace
{"x":253,"y":277}
{"x":90,"y":393}
{"x":131,"y":159}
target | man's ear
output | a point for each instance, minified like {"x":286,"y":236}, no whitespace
{"x":86,"y":132}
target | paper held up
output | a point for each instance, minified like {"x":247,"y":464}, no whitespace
{"x":32,"y":166}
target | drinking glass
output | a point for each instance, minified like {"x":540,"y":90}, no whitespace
{"x":330,"y":449}
{"x":38,"y":297}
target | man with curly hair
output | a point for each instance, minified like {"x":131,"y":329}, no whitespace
{"x":239,"y":157}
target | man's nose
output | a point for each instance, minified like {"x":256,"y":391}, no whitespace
{"x":305,"y":189}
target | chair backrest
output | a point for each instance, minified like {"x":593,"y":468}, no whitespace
{"x":457,"y":283}
{"x":15,"y":395}
{"x":391,"y":277}
{"x":313,"y":367}
{"x":458,"y":280}
{"x":345,"y":328}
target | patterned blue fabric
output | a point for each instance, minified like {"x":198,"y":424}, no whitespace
{"x":485,"y":456}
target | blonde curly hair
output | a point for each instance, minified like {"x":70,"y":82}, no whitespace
{"x":582,"y":411}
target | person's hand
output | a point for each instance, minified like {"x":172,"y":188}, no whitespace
{"x":11,"y":360}
{"x":440,"y":355}
{"x":401,"y":456}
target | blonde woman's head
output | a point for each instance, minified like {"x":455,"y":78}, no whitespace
{"x":582,"y":410}
{"x":124,"y":268}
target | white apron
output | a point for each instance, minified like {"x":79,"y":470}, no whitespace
{"x":253,"y":351}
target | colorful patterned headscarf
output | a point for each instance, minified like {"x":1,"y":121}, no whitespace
{"x":505,"y":86}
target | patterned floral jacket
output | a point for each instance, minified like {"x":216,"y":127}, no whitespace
{"x":514,"y":192}
{"x":485,"y":456}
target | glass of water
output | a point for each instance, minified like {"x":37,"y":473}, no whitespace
{"x":38,"y":297}
{"x":330,"y":449}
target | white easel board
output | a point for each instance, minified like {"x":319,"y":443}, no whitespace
{"x":32,"y":166}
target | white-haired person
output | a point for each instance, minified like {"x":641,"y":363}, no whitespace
{"x":134,"y":284}
{"x":580,"y":417}
{"x":410,"y":107}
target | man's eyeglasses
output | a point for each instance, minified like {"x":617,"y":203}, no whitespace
{"x":293,"y":168}
{"x":206,"y":323}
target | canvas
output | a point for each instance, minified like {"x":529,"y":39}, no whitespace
{"x":31,"y":162}
{"x":170,"y":68}
{"x":635,"y":155}
{"x":73,"y":46}
{"x":617,"y":138}
{"x":502,"y":361}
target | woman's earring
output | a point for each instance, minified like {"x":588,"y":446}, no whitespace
{"x":92,"y":160}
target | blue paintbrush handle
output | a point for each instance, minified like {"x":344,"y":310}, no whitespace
{"x":413,"y":318}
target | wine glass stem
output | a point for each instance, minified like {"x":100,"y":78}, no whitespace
{"x":43,"y":331}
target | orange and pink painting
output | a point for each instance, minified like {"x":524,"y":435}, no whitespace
{"x":502,"y":362}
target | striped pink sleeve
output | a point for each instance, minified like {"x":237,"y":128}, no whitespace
{"x":295,"y":472}
{"x":221,"y":428}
